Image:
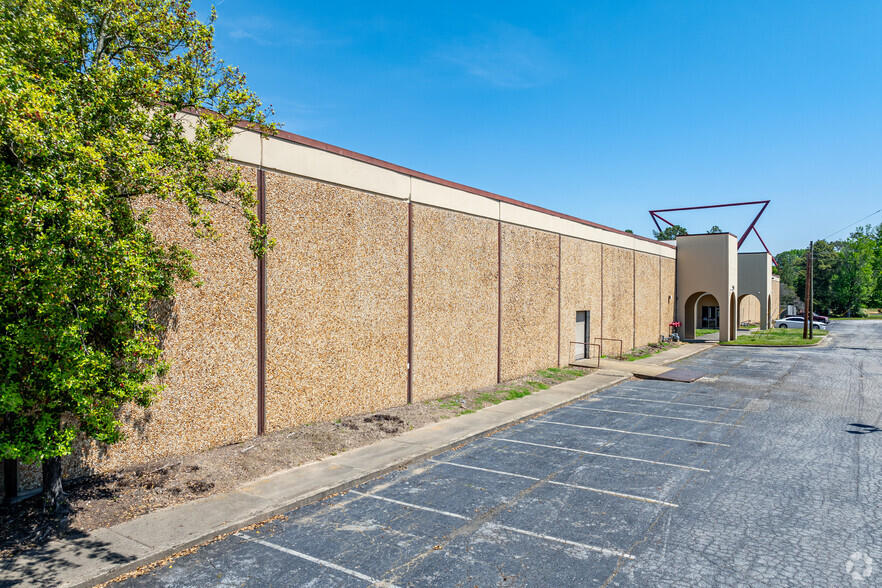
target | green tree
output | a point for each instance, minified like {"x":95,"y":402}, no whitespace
{"x":714,"y":229}
{"x":824,"y":268}
{"x":669,"y":233}
{"x":788,"y":296}
{"x":791,"y":265}
{"x":875,"y":298}
{"x":854,"y":282}
{"x":91,"y":100}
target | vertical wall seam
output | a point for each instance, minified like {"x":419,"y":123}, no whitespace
{"x":261,"y":311}
{"x":559,"y":295}
{"x":499,"y":301}
{"x":660,"y":331}
{"x":602,"y":297}
{"x":409,"y":302}
{"x":677,"y":289}
{"x":633,"y":299}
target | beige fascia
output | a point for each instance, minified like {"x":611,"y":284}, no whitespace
{"x":289,"y":157}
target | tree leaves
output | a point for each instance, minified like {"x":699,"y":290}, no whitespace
{"x":847,"y":274}
{"x":92,"y":101}
{"x":669,"y":233}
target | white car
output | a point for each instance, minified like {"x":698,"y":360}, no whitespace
{"x":795,"y":322}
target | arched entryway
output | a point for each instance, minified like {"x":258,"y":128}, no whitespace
{"x":702,"y":312}
{"x":749,"y":311}
{"x":754,"y":310}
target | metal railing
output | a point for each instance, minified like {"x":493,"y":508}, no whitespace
{"x":587,"y":355}
{"x":601,"y":339}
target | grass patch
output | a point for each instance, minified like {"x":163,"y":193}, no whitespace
{"x":700,"y":332}
{"x":471,"y":401}
{"x":487,"y":398}
{"x":516,"y":393}
{"x":560,"y":374}
{"x":451,"y":402}
{"x":497,"y":396}
{"x":647,"y":351}
{"x":871,"y":317}
{"x":773,"y":337}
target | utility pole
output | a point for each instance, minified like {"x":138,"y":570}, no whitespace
{"x":808,"y":281}
{"x":810,"y":312}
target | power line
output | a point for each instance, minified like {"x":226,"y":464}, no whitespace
{"x":853,"y":224}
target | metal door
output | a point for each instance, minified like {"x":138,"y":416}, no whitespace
{"x":583,"y":321}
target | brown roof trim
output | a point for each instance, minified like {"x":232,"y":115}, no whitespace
{"x":706,"y":234}
{"x":300,"y":140}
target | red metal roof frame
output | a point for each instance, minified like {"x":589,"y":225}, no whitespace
{"x":656,"y":217}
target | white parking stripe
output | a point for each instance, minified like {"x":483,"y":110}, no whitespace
{"x":661,"y":463}
{"x":603,"y":550}
{"x":564,"y":484}
{"x":316,"y":560}
{"x":670,"y":402}
{"x":633,"y":433}
{"x":409,"y":505}
{"x":662,"y":391}
{"x":658,"y":416}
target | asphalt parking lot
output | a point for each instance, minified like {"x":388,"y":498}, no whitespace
{"x":763,"y":473}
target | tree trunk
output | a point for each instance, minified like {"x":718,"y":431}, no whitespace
{"x":53,"y":495}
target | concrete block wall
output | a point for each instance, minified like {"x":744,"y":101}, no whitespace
{"x":580,"y":290}
{"x":617,"y":319}
{"x":455,"y":302}
{"x":336,"y":339}
{"x":209,"y":398}
{"x":529,"y":300}
{"x":647,"y":299}
{"x":667,"y":299}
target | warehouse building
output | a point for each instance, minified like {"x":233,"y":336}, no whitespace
{"x":389,"y":286}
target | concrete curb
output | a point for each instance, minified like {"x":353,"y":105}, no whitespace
{"x":823,"y":341}
{"x":104,"y":554}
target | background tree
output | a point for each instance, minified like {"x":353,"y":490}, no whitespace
{"x":669,"y":233}
{"x":847,"y":273}
{"x":91,"y":96}
{"x":714,"y":229}
{"x":791,"y":264}
{"x":788,"y":297}
{"x":875,"y":234}
{"x":854,"y":282}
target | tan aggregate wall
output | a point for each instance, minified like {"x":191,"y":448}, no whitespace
{"x":210,"y":396}
{"x":336,"y":302}
{"x":668,"y":293}
{"x":618,"y":298}
{"x":455,"y":304}
{"x":529,"y":300}
{"x":749,"y":309}
{"x":775,"y":306}
{"x":580,"y":290}
{"x":646,"y":299}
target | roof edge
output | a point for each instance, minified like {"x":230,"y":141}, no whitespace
{"x":306,"y":141}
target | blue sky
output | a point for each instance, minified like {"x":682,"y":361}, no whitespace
{"x":599,"y":109}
